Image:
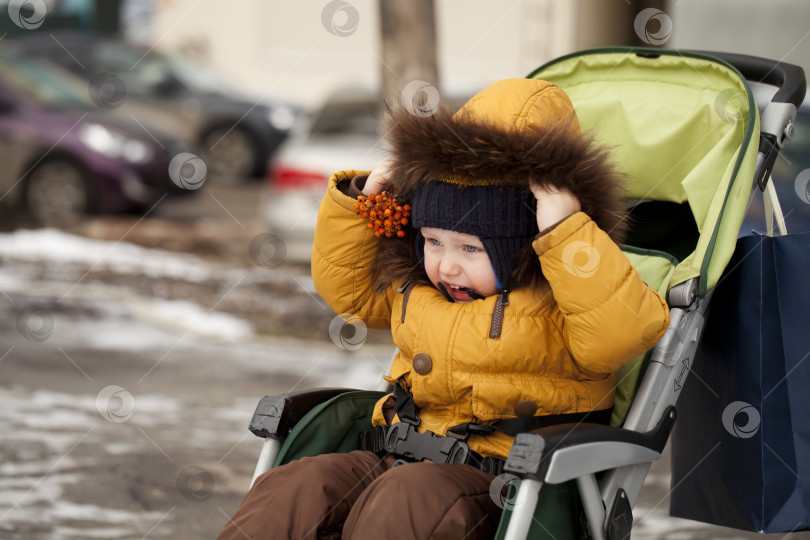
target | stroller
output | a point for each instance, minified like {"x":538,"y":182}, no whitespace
{"x":685,"y":129}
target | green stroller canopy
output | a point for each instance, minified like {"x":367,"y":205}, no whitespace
{"x":684,"y":128}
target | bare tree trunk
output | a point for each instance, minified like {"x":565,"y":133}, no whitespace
{"x":607,"y":23}
{"x":108,"y":18}
{"x":650,"y":30}
{"x":408,"y":47}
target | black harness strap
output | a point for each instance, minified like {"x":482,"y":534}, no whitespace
{"x":407,"y":411}
{"x":405,"y":406}
{"x":522,"y":424}
{"x":405,"y":442}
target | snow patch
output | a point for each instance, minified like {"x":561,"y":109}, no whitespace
{"x":106,"y":533}
{"x":657,"y":524}
{"x":57,"y":246}
{"x":190,"y":317}
{"x":44,"y":416}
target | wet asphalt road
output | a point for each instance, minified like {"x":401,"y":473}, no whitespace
{"x":144,"y":438}
{"x":119,"y":422}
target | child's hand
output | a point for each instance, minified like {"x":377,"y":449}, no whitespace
{"x":379,"y":178}
{"x":553,"y":204}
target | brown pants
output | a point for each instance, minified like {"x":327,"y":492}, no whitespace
{"x":358,"y":495}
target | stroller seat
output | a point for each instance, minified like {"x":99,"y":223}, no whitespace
{"x":684,"y":128}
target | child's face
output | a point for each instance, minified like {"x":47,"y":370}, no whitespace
{"x":458,"y":261}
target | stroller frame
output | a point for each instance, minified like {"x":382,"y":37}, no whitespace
{"x":566,"y":452}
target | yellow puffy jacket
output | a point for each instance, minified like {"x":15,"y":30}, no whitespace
{"x":545,"y":360}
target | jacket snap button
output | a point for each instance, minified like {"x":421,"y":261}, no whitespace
{"x":422,"y":363}
{"x":525,"y":408}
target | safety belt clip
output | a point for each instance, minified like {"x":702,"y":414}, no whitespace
{"x":462,"y":431}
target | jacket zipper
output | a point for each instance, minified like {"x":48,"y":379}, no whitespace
{"x":497,"y":315}
{"x":406,"y":289}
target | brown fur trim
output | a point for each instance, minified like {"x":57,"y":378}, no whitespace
{"x":425,"y":149}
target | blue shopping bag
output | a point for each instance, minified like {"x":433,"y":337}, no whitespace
{"x":741,"y":445}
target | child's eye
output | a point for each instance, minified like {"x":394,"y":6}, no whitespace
{"x":472,"y":249}
{"x":434,"y":242}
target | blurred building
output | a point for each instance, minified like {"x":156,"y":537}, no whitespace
{"x":779,"y":29}
{"x":305,"y":50}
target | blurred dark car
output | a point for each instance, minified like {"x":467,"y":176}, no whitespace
{"x":341,"y":134}
{"x":235,"y":136}
{"x":62,"y":156}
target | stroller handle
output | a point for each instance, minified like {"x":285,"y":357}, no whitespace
{"x":788,"y":78}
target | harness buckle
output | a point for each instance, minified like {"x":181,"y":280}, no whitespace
{"x":404,"y":441}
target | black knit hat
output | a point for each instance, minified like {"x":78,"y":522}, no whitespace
{"x":510,"y":132}
{"x":502,"y":217}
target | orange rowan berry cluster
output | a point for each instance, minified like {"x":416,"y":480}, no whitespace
{"x":385,"y":212}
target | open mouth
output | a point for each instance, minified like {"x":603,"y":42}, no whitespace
{"x":458,"y":293}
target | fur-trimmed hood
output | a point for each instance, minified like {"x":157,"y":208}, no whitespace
{"x":512,"y":131}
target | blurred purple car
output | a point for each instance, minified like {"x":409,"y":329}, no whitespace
{"x":62,"y":156}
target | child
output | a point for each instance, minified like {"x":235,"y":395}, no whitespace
{"x":507,"y":296}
